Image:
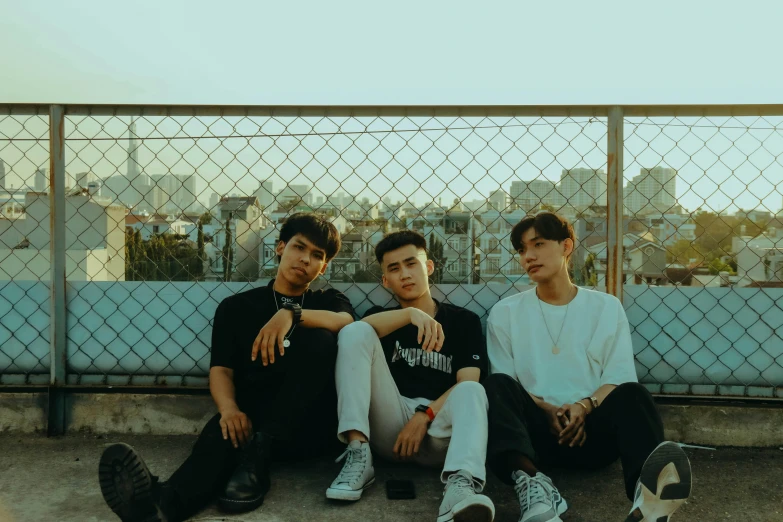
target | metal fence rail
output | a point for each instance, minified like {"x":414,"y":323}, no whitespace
{"x":122,"y":227}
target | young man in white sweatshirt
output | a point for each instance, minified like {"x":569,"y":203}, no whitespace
{"x":563,"y":389}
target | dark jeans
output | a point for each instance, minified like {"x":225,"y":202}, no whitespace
{"x":626,"y":425}
{"x":293,"y":400}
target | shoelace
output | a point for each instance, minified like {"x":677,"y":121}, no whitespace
{"x":531,"y":491}
{"x":459,"y":482}
{"x":355,"y":461}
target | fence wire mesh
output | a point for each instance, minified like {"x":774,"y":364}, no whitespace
{"x":24,"y":305}
{"x":706,"y":218}
{"x":168,"y":214}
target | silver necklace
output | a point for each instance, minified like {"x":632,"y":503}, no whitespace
{"x":555,"y":347}
{"x":286,"y":342}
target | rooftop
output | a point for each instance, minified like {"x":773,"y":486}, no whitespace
{"x":64,"y":472}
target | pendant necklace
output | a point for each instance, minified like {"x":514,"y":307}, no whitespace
{"x":555,"y":347}
{"x":286,"y":341}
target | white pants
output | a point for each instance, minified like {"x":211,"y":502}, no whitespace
{"x":368,"y":401}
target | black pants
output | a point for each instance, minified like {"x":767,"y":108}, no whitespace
{"x":626,"y":425}
{"x":293,"y":400}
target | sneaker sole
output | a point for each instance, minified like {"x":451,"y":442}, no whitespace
{"x":126,"y":485}
{"x":348,"y":494}
{"x":665,"y":482}
{"x":478,"y":508}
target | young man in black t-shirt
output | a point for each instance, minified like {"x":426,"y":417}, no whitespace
{"x":407,"y":386}
{"x":272,"y":379}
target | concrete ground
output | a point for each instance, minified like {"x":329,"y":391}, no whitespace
{"x":56,"y":480}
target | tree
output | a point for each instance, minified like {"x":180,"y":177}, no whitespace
{"x":714,"y":233}
{"x":436,"y":254}
{"x":369,"y":274}
{"x":201,"y":255}
{"x":205,"y":218}
{"x":683,"y":251}
{"x":140,"y":257}
{"x":228,"y":251}
{"x":130,"y":255}
{"x":164,"y":257}
{"x":291,"y":204}
{"x":589,"y":275}
{"x":717,"y":266}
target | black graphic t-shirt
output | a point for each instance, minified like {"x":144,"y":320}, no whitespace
{"x":240,"y":317}
{"x":428,"y":375}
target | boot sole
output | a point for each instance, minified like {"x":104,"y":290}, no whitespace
{"x":126,"y":485}
{"x":228,"y":505}
{"x":666,"y":477}
{"x":348,"y":495}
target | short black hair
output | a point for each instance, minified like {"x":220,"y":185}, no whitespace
{"x":547,"y":225}
{"x":315,"y":227}
{"x":395,"y":240}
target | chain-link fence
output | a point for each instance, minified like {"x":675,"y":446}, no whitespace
{"x":168,"y":210}
{"x":703,"y":244}
{"x":24,"y":235}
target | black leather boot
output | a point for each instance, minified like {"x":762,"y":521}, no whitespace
{"x":250,"y":482}
{"x":127,"y":485}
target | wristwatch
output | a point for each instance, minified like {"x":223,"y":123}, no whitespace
{"x":296,"y":309}
{"x":593,"y":401}
{"x":426,"y":409}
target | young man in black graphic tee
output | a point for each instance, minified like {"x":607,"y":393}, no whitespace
{"x":272,"y":379}
{"x":407,"y":386}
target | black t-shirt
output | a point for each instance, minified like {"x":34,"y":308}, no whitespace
{"x":428,"y":375}
{"x":240,"y":317}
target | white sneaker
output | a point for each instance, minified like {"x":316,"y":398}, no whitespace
{"x":664,"y":483}
{"x":357,"y":474}
{"x":462,"y":501}
{"x":539,"y":499}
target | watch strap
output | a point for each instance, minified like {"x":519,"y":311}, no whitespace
{"x":296,"y":309}
{"x":423,"y":408}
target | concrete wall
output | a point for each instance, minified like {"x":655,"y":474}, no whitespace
{"x":80,"y":265}
{"x":172,"y":414}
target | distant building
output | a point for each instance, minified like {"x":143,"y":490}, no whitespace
{"x":499,"y":200}
{"x":293,"y":193}
{"x":244,"y":216}
{"x":670,"y":228}
{"x":582,"y":188}
{"x":759,"y":258}
{"x":653,"y":191}
{"x":644,"y":261}
{"x":455,"y":230}
{"x":172,"y":193}
{"x":756,"y":215}
{"x":157,"y":225}
{"x":265,"y":194}
{"x":496,"y":259}
{"x":530,"y":195}
{"x":41,"y":180}
{"x":94,"y":240}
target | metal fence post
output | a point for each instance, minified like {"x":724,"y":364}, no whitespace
{"x":56,"y":415}
{"x":614,"y":212}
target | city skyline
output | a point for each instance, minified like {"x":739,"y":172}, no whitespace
{"x":466,"y":163}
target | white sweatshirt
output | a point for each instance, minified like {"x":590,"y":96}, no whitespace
{"x":594,"y":346}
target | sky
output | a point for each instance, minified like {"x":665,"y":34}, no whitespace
{"x":404,"y":52}
{"x":410,"y":53}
